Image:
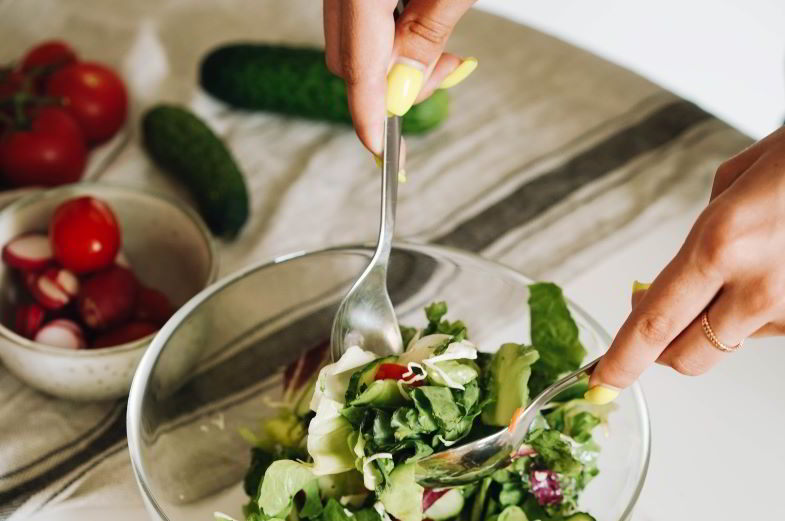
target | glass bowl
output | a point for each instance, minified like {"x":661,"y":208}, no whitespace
{"x":203,"y":378}
{"x":167,"y":245}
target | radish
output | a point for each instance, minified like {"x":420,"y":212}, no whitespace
{"x":107,"y":298}
{"x":61,"y":333}
{"x":28,"y":319}
{"x":54,"y":288}
{"x":152,"y":306}
{"x":128,"y":332}
{"x":29,"y":252}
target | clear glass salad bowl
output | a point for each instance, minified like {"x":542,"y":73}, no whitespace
{"x":216,"y":368}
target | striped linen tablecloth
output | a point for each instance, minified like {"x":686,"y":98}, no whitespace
{"x":550,"y":159}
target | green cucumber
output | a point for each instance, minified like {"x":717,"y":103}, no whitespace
{"x":381,"y":393}
{"x":580,"y":516}
{"x":295,"y":81}
{"x":447,"y":506}
{"x":363,"y":377}
{"x":184,"y":146}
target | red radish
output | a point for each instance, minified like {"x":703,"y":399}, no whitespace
{"x":85,"y":235}
{"x":63,"y":279}
{"x":61,"y":333}
{"x":28,"y":319}
{"x":46,"y":290}
{"x":29,"y":252}
{"x":107,"y":298}
{"x":152,"y":306}
{"x":128,"y":332}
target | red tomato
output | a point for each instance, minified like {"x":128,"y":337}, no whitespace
{"x":393,"y":372}
{"x":52,"y":152}
{"x":85,"y":235}
{"x":94,"y":95}
{"x":51,"y":53}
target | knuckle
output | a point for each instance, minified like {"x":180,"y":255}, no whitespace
{"x":764,"y":295}
{"x":426,"y":28}
{"x":654,"y":328}
{"x":719,"y":239}
{"x":688,"y":366}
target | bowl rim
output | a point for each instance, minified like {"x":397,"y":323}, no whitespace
{"x":89,"y":187}
{"x":147,"y":362}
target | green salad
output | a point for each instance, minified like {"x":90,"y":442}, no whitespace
{"x":344,"y":443}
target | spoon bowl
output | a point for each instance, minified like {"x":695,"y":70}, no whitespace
{"x":469,"y":462}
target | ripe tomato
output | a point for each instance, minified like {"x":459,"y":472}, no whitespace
{"x":52,"y":152}
{"x":394,"y":372}
{"x":85,"y":235}
{"x":94,"y":95}
{"x":51,"y":53}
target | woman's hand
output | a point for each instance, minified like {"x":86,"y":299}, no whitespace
{"x":731,"y":265}
{"x":374,"y":55}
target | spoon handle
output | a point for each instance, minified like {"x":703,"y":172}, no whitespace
{"x":390,"y":167}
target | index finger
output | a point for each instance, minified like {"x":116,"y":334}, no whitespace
{"x":675,"y":298}
{"x":367,"y":34}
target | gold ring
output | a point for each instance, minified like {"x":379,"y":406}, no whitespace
{"x":713,"y":338}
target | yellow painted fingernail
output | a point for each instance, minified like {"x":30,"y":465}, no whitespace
{"x":403,"y":85}
{"x":377,"y":160}
{"x":460,"y":73}
{"x":401,"y":176}
{"x":640,"y":286}
{"x":601,"y":394}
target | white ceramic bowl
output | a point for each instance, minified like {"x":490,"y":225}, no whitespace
{"x":169,"y":248}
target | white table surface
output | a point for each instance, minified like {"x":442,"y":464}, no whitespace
{"x":717,"y":439}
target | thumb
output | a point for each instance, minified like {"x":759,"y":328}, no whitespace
{"x":421,"y":33}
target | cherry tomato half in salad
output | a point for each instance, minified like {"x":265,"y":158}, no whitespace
{"x":85,"y":235}
{"x":51,"y":53}
{"x":94,"y":95}
{"x":51,"y":152}
{"x":394,"y":372}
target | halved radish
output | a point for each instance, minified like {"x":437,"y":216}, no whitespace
{"x":46,"y":290}
{"x":63,"y":279}
{"x":61,"y":333}
{"x":107,"y":298}
{"x":126,"y":333}
{"x":28,"y":319}
{"x":29,"y":252}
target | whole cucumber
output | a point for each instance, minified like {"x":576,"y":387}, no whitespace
{"x":183,"y":145}
{"x":295,"y":80}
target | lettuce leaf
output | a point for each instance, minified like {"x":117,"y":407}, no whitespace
{"x":555,"y":453}
{"x":283,"y":479}
{"x":554,"y":335}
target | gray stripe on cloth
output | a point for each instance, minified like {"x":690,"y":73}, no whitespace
{"x":534,"y":197}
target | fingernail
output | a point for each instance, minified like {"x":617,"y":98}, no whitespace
{"x":377,"y":160}
{"x":401,"y":176}
{"x":460,"y":73}
{"x":640,"y":286}
{"x":403,"y":84}
{"x":601,"y":394}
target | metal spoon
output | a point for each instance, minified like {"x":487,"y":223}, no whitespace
{"x":468,"y":463}
{"x":366,"y":316}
